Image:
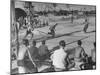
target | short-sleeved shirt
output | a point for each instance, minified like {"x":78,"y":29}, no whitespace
{"x":58,"y":58}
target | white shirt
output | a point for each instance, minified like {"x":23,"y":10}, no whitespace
{"x":58,"y":58}
{"x":21,"y":53}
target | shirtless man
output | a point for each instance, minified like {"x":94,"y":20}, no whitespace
{"x":21,"y":54}
{"x":79,"y":55}
{"x":23,"y":51}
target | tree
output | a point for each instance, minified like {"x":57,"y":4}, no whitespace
{"x":54,"y":6}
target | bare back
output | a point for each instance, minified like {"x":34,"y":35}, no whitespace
{"x":78,"y":52}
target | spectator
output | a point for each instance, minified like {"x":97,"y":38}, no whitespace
{"x":34,"y":50}
{"x":43,"y":51}
{"x":79,"y":55}
{"x":58,"y":57}
{"x":21,"y":55}
{"x":33,"y":56}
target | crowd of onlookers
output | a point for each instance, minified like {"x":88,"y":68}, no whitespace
{"x":35,"y":22}
{"x":59,"y":58}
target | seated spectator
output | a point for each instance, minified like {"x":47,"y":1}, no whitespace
{"x":43,"y":51}
{"x":21,"y":54}
{"x":80,"y":55}
{"x":59,"y":57}
{"x":34,"y":50}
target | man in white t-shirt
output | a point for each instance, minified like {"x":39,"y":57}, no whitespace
{"x":58,"y":57}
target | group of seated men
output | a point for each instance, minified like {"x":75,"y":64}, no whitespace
{"x":60,"y":57}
